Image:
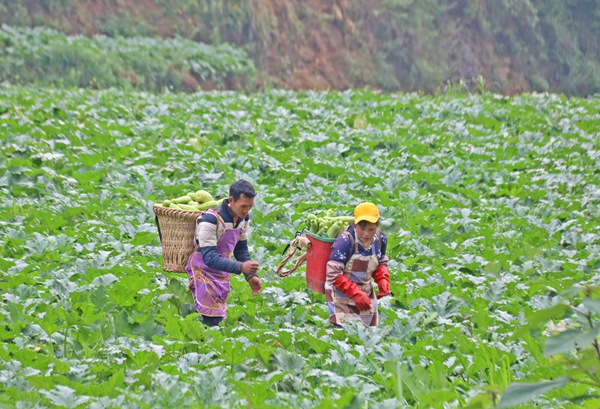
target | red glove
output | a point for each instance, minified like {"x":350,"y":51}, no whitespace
{"x":382,"y":278}
{"x":350,"y":288}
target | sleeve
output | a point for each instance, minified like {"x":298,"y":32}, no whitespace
{"x":206,"y":231}
{"x":240,"y":252}
{"x":340,"y":254}
{"x":206,"y":240}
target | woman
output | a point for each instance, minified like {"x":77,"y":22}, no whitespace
{"x":358,"y":257}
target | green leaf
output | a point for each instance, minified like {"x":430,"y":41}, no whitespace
{"x":574,"y":290}
{"x":481,"y":401}
{"x":105,"y":280}
{"x":64,"y":396}
{"x":349,"y":401}
{"x":542,"y":316}
{"x":593,"y":305}
{"x":236,"y":352}
{"x":518,"y":393}
{"x":567,"y":341}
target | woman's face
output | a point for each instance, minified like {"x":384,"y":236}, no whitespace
{"x":241,"y":207}
{"x":366,"y":234}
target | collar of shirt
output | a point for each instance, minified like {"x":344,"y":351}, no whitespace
{"x":352,"y":231}
{"x":227,"y":214}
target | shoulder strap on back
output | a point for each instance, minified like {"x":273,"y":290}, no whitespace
{"x":218,"y":216}
{"x":350,"y":236}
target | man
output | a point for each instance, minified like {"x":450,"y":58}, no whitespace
{"x":221,"y":233}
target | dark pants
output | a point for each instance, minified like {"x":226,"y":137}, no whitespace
{"x":211,"y":321}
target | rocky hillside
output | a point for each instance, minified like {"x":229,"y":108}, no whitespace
{"x":505,"y":46}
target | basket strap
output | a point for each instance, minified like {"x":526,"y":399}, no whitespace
{"x":158,"y":226}
{"x":299,"y":243}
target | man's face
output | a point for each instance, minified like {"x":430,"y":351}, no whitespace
{"x":242,"y":206}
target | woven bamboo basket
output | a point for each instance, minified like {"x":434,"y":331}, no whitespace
{"x":176,"y":230}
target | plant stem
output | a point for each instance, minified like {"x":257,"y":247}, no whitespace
{"x":595,"y":342}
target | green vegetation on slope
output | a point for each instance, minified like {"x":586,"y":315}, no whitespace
{"x":49,"y":58}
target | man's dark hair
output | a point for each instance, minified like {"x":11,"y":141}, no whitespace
{"x":241,"y":187}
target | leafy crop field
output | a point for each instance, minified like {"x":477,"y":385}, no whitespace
{"x":491,"y":205}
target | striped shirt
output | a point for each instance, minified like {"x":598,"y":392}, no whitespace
{"x":208,"y":233}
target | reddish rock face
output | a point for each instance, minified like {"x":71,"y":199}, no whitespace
{"x":341,"y":44}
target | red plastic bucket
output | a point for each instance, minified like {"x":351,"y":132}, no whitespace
{"x":317,"y":256}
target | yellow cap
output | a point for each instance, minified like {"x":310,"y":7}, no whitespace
{"x":366,"y":211}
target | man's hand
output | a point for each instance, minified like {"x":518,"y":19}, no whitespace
{"x":249,"y":267}
{"x":255,"y":285}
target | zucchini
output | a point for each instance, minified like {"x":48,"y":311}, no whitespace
{"x":314,"y":226}
{"x":184,"y":206}
{"x":207,"y":205}
{"x":182,"y":199}
{"x":202,"y":196}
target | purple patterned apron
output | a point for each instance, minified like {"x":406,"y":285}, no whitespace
{"x":210,"y":287}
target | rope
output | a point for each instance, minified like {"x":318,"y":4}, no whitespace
{"x":299,"y":243}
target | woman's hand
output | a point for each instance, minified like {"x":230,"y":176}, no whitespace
{"x":381,"y":276}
